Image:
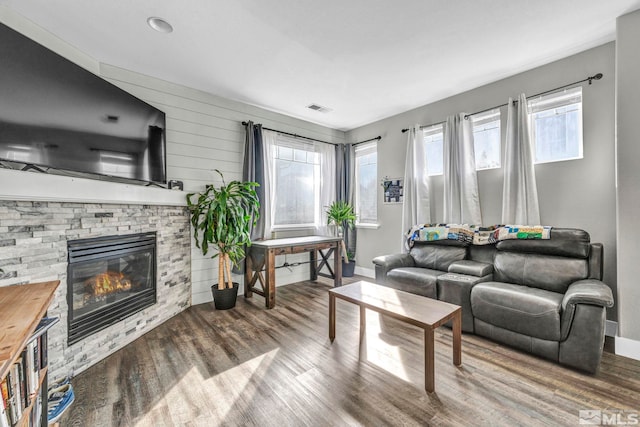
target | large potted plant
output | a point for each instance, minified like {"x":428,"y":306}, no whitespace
{"x":222,"y":218}
{"x":342,"y":216}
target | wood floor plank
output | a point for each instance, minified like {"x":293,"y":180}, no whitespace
{"x":256,"y":367}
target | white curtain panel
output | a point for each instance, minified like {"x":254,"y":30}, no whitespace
{"x":327,"y":184}
{"x":416,"y":208}
{"x":269,"y":139}
{"x":461,"y":196}
{"x":520,"y":193}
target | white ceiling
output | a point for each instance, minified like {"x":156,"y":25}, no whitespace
{"x":364,"y":59}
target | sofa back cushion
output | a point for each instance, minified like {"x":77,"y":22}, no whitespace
{"x":549,"y":272}
{"x":568,"y":242}
{"x":482,"y":253}
{"x":437,"y":257}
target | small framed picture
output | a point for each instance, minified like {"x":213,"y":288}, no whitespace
{"x":392,"y":190}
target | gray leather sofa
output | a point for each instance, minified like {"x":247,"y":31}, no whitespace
{"x":542,"y":296}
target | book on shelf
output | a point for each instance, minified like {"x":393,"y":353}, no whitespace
{"x":32,"y":366}
{"x":4,"y":390}
{"x":44,"y":357}
{"x":5,"y":414}
{"x":43,"y":326}
{"x":16,"y":385}
{"x":37,"y":414}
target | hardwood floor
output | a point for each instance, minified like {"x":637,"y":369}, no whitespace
{"x":255,"y":367}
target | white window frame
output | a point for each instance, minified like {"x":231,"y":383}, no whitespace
{"x":481,"y":123}
{"x":360,"y":151}
{"x":554,"y":101}
{"x":284,"y":141}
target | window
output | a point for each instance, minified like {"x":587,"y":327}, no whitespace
{"x":486,"y":139}
{"x":297,"y":183}
{"x":556,"y":125}
{"x":433,"y":139}
{"x":366,"y":185}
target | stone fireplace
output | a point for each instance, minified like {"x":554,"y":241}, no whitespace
{"x":38,"y":239}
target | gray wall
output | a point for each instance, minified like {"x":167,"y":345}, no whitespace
{"x":577,"y":193}
{"x":628,"y":190}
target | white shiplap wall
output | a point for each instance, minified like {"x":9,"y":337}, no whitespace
{"x":204,"y":132}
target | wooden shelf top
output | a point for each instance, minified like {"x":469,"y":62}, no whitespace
{"x":293,"y":241}
{"x":21,"y":308}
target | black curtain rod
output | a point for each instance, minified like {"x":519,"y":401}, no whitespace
{"x":313,"y":139}
{"x":294,"y":135}
{"x":426,"y":126}
{"x":377,"y":138}
{"x":588,"y":79}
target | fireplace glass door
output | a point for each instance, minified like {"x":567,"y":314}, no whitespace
{"x":108,"y":280}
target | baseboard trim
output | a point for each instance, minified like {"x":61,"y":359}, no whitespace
{"x":628,"y":348}
{"x":610,"y":328}
{"x":367,"y":272}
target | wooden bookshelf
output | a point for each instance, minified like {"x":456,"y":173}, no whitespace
{"x":21,"y":309}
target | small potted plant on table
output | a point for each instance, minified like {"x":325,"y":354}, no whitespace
{"x":222,"y":218}
{"x":341,"y":215}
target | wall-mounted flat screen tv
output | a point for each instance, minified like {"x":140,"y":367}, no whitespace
{"x":57,"y":116}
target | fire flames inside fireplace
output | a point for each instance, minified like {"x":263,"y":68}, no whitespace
{"x":103,"y":285}
{"x":108,"y":280}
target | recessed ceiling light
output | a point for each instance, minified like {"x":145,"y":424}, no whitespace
{"x":159,"y":25}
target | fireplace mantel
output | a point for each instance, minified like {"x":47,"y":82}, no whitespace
{"x":40,"y":187}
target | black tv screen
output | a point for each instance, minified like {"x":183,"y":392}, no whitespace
{"x":56,"y":115}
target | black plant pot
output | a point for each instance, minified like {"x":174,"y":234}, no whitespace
{"x":348,"y":268}
{"x":224,"y":299}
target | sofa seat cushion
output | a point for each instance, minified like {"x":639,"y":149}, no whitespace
{"x":530,"y":311}
{"x":419,"y":281}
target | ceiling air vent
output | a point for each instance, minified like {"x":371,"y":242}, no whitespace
{"x":319,"y":108}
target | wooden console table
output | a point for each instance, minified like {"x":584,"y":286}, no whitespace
{"x":261,"y":257}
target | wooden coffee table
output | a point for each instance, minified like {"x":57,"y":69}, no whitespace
{"x":417,"y":310}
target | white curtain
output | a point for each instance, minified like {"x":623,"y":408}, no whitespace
{"x":520,"y":193}
{"x":327,"y":183}
{"x":269,"y":139}
{"x":416,"y":208}
{"x":461,"y":196}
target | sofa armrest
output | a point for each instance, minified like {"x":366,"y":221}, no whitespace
{"x":589,"y":291}
{"x":385,"y":263}
{"x":389,"y":262}
{"x":471,"y":268}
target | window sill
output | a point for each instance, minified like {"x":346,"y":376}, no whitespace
{"x":285,"y":232}
{"x":293,"y":227}
{"x":566,"y":159}
{"x":368,"y":226}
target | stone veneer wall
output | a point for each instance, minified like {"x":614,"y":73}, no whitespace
{"x":33,"y":248}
